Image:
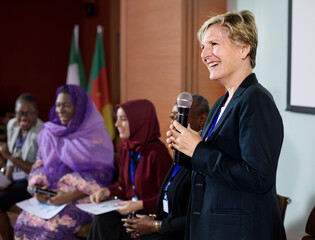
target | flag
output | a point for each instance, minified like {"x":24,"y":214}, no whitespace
{"x":75,"y":73}
{"x":98,"y":84}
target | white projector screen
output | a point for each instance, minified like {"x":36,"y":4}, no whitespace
{"x":301,"y":54}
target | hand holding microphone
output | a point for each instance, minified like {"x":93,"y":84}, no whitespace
{"x":43,"y":195}
{"x":184,"y":101}
{"x":32,"y":189}
{"x":183,"y":140}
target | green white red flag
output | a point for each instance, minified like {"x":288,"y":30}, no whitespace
{"x":98,"y":84}
{"x":75,"y":73}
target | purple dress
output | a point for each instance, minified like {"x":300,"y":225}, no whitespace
{"x":78,"y":156}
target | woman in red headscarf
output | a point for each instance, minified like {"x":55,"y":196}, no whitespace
{"x":143,"y":162}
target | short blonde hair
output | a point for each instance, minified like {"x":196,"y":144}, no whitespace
{"x":241,"y":29}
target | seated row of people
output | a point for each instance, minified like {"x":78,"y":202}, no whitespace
{"x":75,"y":158}
{"x":175,"y":191}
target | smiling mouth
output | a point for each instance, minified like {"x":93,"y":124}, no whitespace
{"x":211,"y":64}
{"x":24,"y":123}
{"x":63,"y":118}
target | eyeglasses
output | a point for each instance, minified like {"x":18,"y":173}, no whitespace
{"x":26,"y":114}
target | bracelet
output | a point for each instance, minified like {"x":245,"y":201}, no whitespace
{"x":153,"y":216}
{"x":157,"y":225}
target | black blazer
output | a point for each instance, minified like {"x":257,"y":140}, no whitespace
{"x":173,"y":224}
{"x":234,"y":172}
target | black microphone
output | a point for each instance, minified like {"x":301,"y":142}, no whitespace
{"x":33,"y":189}
{"x":184,"y":101}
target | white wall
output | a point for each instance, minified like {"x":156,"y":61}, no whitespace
{"x":296,"y":169}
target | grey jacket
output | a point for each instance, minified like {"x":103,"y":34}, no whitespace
{"x":30,"y":147}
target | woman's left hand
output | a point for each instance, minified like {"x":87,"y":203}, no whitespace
{"x":183,"y":139}
{"x":64,"y":198}
{"x":139,"y":226}
{"x":130,"y":207}
{"x":42,"y":198}
{"x":60,"y":198}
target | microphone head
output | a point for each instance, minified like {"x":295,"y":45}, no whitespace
{"x":31,"y":189}
{"x":184,"y":100}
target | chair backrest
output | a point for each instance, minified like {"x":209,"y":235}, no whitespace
{"x":310,"y":225}
{"x":283,"y":203}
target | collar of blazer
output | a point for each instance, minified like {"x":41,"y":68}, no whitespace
{"x":248,"y":81}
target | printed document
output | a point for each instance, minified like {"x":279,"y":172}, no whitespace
{"x":100,"y":208}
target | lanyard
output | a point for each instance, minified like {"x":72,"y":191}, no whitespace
{"x":133,"y":168}
{"x":19,"y":144}
{"x":213,"y":125}
{"x":176,"y":168}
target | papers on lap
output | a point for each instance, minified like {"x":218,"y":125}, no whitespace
{"x":100,"y":208}
{"x":4,"y":182}
{"x":45,"y":211}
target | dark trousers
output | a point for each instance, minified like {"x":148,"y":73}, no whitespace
{"x":16,"y":192}
{"x":153,"y":236}
{"x":108,"y":226}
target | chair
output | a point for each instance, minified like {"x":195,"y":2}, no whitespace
{"x":310,"y":226}
{"x":283,"y":203}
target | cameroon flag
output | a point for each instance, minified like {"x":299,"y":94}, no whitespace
{"x":98,"y":84}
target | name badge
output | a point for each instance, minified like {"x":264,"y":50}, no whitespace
{"x":165,"y":205}
{"x":17,"y":176}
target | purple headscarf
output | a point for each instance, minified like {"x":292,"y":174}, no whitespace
{"x":83,"y":146}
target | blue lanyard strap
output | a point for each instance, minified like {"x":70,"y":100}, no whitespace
{"x":133,"y":167}
{"x":176,"y":168}
{"x":19,"y":144}
{"x":213,"y":125}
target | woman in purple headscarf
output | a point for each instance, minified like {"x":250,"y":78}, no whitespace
{"x":75,"y":159}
